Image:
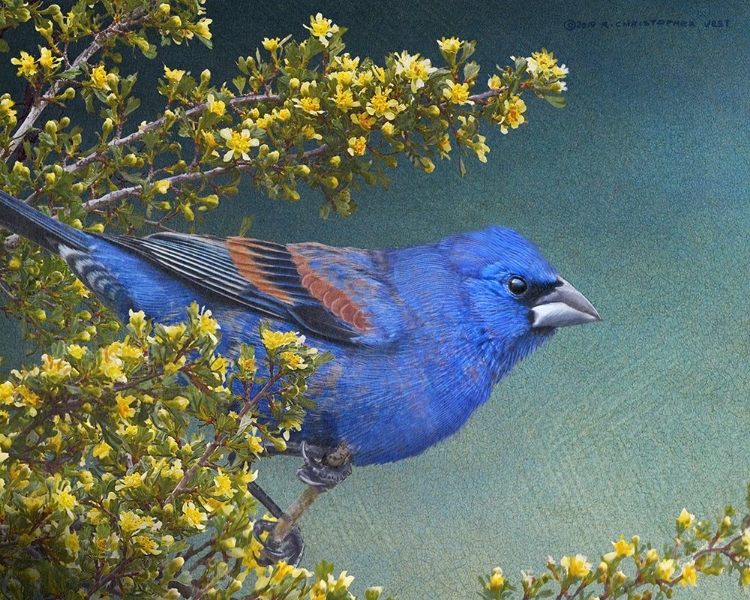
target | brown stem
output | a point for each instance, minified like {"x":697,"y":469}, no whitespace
{"x":136,"y":135}
{"x":217,"y":443}
{"x":100,"y":40}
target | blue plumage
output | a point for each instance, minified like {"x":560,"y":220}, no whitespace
{"x":420,"y":335}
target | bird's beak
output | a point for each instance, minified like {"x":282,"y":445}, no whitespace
{"x":563,"y":306}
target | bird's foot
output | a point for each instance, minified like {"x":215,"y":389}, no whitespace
{"x":289,"y":548}
{"x":325,"y":469}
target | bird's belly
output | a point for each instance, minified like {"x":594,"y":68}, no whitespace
{"x":388,"y":409}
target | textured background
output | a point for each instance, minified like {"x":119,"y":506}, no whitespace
{"x":638,"y":193}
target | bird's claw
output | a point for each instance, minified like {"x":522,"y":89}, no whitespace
{"x":324,"y":470}
{"x":289,"y":549}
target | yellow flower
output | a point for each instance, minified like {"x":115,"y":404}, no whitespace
{"x":217,"y":107}
{"x":388,"y":128}
{"x":652,"y":555}
{"x":223,"y":485}
{"x":364,"y":120}
{"x":665,"y":569}
{"x":219,"y":365}
{"x":265,"y":121}
{"x":685,"y":519}
{"x":87,"y":479}
{"x":576,"y":566}
{"x":513,"y":117}
{"x":357,"y":146}
{"x":544,"y":59}
{"x":111,"y":364}
{"x":746,"y":577}
{"x":29,"y":398}
{"x":494,"y":82}
{"x":65,"y":500}
{"x":238,"y":142}
{"x":457,"y":93}
{"x":147,"y":545}
{"x":101,"y":450}
{"x":343,"y":77}
{"x":321,"y":28}
{"x":47,"y":61}
{"x":255,"y":444}
{"x":193,"y":516}
{"x":292,"y":361}
{"x":130,"y":522}
{"x":283,"y":115}
{"x":134,"y":480}
{"x":162,"y":186}
{"x":272,"y":340}
{"x":271,"y":44}
{"x":497,"y":581}
{"x":319,"y":591}
{"x":247,"y":364}
{"x":72,"y":543}
{"x":623,"y":548}
{"x":173,"y":75}
{"x":309,"y":105}
{"x":689,"y":575}
{"x":309,"y":133}
{"x":55,"y":368}
{"x":207,"y":325}
{"x":416,"y":70}
{"x":76,"y":351}
{"x":80,"y":288}
{"x":201,"y":28}
{"x":364,"y":78}
{"x":348,"y":63}
{"x":124,"y":410}
{"x":6,"y":108}
{"x":450,"y":45}
{"x":6,"y":392}
{"x":444,"y":145}
{"x":26,"y":65}
{"x":381,"y":105}
{"x":344,"y":98}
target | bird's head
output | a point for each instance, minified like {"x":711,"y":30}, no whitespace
{"x":514,"y":292}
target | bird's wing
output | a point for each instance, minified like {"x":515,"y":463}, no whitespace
{"x":342,"y":294}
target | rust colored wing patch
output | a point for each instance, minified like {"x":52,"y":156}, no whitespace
{"x":251,"y":257}
{"x":335,"y":300}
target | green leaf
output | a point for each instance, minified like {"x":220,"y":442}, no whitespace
{"x":556,"y":101}
{"x":461,"y":166}
{"x":323,"y":569}
{"x":132,"y":105}
{"x":239,"y":82}
{"x":471,"y":70}
{"x":4,"y":46}
{"x":247,"y":223}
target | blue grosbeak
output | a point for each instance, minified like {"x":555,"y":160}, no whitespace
{"x":420,"y":335}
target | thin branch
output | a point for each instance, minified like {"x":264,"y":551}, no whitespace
{"x":136,"y":135}
{"x":218,"y":442}
{"x":100,"y":40}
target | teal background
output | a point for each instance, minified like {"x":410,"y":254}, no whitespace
{"x":638,"y":193}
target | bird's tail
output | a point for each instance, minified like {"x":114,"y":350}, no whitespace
{"x":41,"y":229}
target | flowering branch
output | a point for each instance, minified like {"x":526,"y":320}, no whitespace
{"x":116,"y":29}
{"x":700,"y":549}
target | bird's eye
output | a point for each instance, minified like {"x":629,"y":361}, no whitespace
{"x":517,"y":286}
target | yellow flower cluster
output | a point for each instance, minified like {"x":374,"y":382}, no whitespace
{"x":576,"y":567}
{"x":273,"y":340}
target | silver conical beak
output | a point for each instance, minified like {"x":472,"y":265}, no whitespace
{"x":563,"y":306}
